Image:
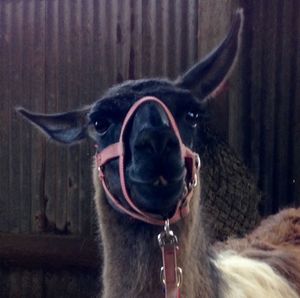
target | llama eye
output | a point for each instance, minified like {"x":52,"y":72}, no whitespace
{"x":192,"y":118}
{"x":102,"y":126}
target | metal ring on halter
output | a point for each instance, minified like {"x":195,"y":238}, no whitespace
{"x":179,"y":277}
{"x":198,"y":162}
{"x":195,"y":180}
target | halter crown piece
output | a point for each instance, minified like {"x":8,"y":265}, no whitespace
{"x":116,"y":150}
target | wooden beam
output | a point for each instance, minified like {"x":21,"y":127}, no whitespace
{"x":49,"y":252}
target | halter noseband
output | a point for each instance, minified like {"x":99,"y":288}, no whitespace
{"x":116,"y":150}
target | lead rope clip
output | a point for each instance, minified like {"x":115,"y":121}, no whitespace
{"x":170,"y":273}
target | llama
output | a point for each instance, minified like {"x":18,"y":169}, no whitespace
{"x":146,"y":176}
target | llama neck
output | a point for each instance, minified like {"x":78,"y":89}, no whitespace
{"x":132,"y":256}
{"x":131,"y":260}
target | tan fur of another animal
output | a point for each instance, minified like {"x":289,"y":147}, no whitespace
{"x":276,"y":243}
{"x":249,"y":278}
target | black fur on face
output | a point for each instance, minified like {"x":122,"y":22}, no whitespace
{"x":155,"y":172}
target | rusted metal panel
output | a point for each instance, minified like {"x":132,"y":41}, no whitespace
{"x":49,"y":252}
{"x":261,"y":128}
{"x":262,"y":96}
{"x":18,"y":282}
{"x":37,"y":95}
{"x":5,"y":108}
{"x":15,"y":77}
{"x":295,"y":110}
{"x":283,"y":130}
{"x":211,"y":30}
{"x":48,"y":266}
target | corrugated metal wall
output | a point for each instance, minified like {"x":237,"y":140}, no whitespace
{"x":58,"y":55}
{"x":264,"y":110}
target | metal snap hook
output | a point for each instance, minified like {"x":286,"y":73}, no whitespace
{"x":167,"y":236}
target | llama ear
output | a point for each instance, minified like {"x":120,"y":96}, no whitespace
{"x":65,"y":128}
{"x":209,"y":75}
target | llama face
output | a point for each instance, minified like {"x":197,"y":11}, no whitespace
{"x":155,"y":171}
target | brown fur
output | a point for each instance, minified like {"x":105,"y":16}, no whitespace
{"x":276,"y":242}
{"x":132,"y":257}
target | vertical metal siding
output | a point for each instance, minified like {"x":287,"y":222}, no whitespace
{"x":59,"y":55}
{"x":263,"y":108}
{"x":295,"y":110}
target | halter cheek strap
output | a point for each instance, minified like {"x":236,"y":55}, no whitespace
{"x":116,"y":150}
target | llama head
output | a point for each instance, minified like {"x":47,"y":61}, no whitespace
{"x":154,"y":171}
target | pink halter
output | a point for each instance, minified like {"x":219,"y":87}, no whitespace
{"x":116,"y":150}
